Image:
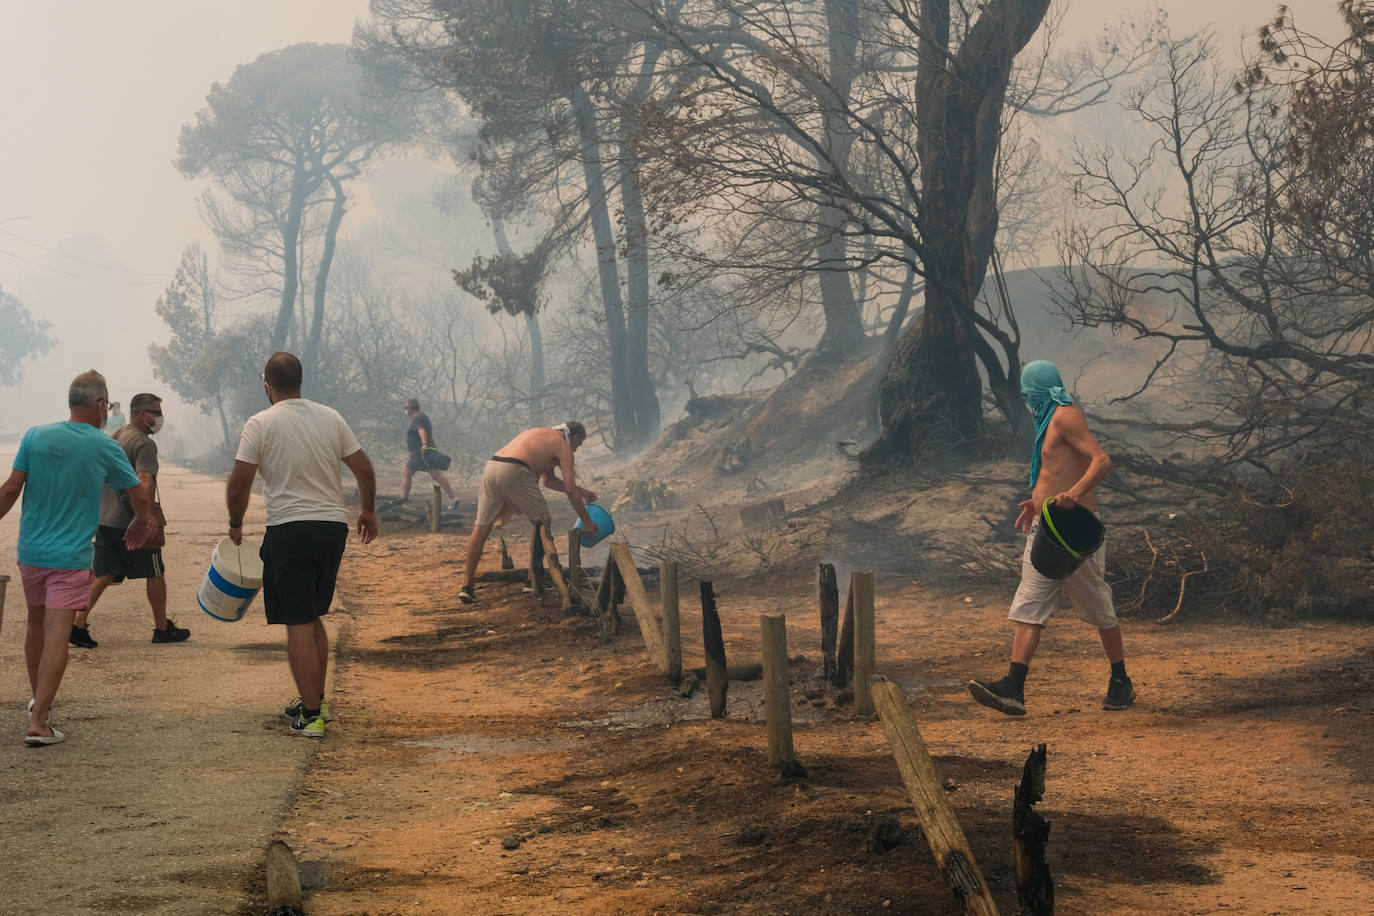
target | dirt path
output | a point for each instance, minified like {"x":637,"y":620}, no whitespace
{"x":1238,"y":784}
{"x":176,"y":771}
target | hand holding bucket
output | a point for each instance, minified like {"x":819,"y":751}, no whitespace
{"x":232,"y":581}
{"x":604,"y":525}
{"x":1064,"y":539}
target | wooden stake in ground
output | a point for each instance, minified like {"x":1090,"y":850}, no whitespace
{"x":947,"y":841}
{"x":555,"y":568}
{"x":672,"y":624}
{"x":649,"y":626}
{"x":283,"y":881}
{"x":575,"y":560}
{"x":717,"y":677}
{"x":844,"y":653}
{"x":828,"y":596}
{"x":777,"y":699}
{"x":4,"y":580}
{"x":436,"y":509}
{"x":865,"y":648}
{"x":1030,"y":836}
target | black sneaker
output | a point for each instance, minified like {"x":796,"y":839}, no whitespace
{"x":172,"y":633}
{"x":998,"y":695}
{"x":1120,"y":693}
{"x":296,"y":710}
{"x":81,"y":636}
{"x":465,"y":595}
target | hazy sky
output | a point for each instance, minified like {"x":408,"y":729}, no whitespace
{"x":93,"y":215}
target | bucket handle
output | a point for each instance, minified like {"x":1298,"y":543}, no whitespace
{"x":1045,"y":514}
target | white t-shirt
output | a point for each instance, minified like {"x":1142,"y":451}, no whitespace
{"x":297,"y":446}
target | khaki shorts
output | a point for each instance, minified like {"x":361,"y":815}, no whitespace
{"x":509,"y":489}
{"x":1086,"y":590}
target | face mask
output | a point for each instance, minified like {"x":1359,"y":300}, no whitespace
{"x":157,"y":425}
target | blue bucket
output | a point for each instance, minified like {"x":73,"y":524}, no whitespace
{"x":604,"y":525}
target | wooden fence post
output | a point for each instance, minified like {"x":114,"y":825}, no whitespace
{"x":672,"y":623}
{"x":717,"y":675}
{"x":828,"y":595}
{"x":436,"y":509}
{"x":844,"y":653}
{"x":1030,"y":835}
{"x":283,"y":881}
{"x":864,"y":644}
{"x":946,"y":838}
{"x":649,"y":626}
{"x":575,"y":560}
{"x":4,"y":580}
{"x":555,"y":568}
{"x":777,"y":699}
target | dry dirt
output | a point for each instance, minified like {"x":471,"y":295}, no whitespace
{"x":1240,"y":782}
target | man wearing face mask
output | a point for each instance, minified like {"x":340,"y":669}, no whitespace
{"x":113,"y":562}
{"x":1067,"y":464}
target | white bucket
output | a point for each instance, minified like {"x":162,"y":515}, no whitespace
{"x":232,"y":581}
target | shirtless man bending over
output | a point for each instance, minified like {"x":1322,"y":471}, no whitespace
{"x":1067,"y":464}
{"x":510,"y":485}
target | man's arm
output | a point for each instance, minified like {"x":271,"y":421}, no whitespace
{"x":142,"y":526}
{"x":361,"y":467}
{"x":1074,"y":429}
{"x":10,"y":490}
{"x":568,"y":486}
{"x":236,"y":493}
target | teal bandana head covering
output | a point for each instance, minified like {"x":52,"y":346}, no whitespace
{"x":1044,"y":391}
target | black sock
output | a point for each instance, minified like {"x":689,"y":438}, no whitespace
{"x":1119,"y":671}
{"x":308,"y":714}
{"x":1016,"y":677}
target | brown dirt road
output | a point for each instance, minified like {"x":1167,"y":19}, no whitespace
{"x":1239,"y":783}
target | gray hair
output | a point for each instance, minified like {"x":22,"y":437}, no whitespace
{"x":86,"y":389}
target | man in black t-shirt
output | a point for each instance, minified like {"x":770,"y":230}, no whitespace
{"x":420,"y":436}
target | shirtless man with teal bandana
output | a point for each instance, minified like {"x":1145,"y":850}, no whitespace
{"x":1067,"y":464}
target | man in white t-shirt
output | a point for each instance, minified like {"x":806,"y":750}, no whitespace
{"x":297,"y":445}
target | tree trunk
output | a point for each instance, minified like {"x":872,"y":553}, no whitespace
{"x":604,"y":236}
{"x":331,"y":237}
{"x":536,"y":393}
{"x":290,"y":237}
{"x":645,"y":401}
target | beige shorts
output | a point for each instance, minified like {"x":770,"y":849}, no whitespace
{"x":1086,"y":590}
{"x":509,"y":489}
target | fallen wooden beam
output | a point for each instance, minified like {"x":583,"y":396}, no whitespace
{"x":923,"y":784}
{"x":650,"y":628}
{"x":750,"y":671}
{"x":283,"y":881}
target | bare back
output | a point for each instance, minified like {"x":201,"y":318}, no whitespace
{"x":541,"y":449}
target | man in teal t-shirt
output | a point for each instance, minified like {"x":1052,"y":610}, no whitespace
{"x":60,"y":469}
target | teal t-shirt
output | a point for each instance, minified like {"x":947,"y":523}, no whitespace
{"x":67,"y":464}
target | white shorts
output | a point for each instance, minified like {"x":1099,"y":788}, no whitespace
{"x":1087,"y":591}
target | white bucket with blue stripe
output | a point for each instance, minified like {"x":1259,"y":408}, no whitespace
{"x":232,"y":581}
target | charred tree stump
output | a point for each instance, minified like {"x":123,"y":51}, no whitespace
{"x":777,"y":699}
{"x":844,"y":654}
{"x":865,"y":646}
{"x":717,"y":676}
{"x":609,"y":594}
{"x":953,"y":856}
{"x":536,"y":564}
{"x":1030,"y":836}
{"x":506,"y":561}
{"x":283,"y":881}
{"x":829,"y":598}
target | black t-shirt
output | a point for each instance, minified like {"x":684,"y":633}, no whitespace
{"x":417,"y":423}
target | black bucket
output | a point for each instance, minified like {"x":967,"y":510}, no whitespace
{"x":1064,"y":539}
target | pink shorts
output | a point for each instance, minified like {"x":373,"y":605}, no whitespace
{"x":59,"y":589}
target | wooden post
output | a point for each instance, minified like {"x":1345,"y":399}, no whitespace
{"x":828,"y":596}
{"x":649,"y":626}
{"x":536,"y":564}
{"x":946,"y":838}
{"x":777,"y":699}
{"x":864,"y":643}
{"x":575,"y":560}
{"x":555,"y":568}
{"x":844,"y":654}
{"x":717,"y":676}
{"x":506,"y":561}
{"x":4,"y":580}
{"x":436,"y":509}
{"x":1030,"y":835}
{"x":283,"y":881}
{"x":672,"y":624}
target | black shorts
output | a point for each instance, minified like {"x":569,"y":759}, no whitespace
{"x":415,"y":463}
{"x":112,"y":559}
{"x":300,"y":564}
